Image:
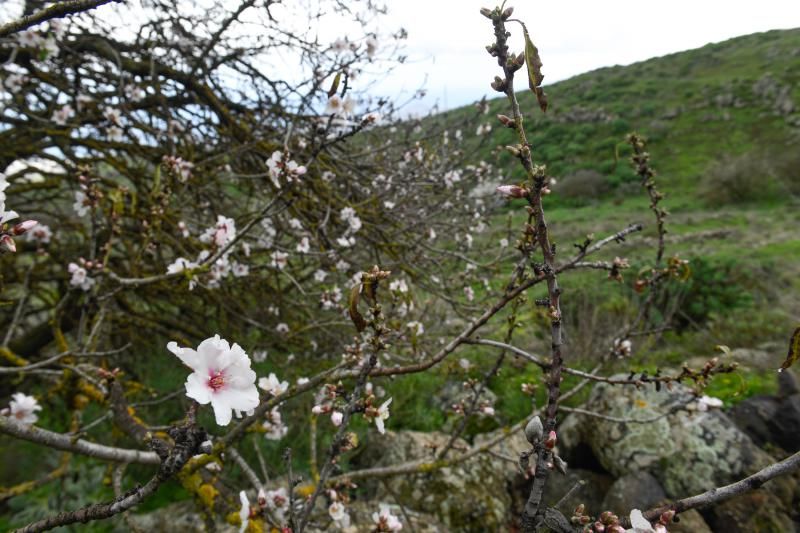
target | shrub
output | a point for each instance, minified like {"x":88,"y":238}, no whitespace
{"x":740,"y":179}
{"x":583,"y":185}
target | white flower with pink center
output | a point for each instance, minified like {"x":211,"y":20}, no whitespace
{"x":222,"y":233}
{"x":221,"y":377}
{"x":385,"y":520}
{"x":23,"y":408}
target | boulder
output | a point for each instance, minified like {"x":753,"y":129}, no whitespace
{"x":690,"y":522}
{"x":758,"y":510}
{"x":772,"y":420}
{"x":637,"y":490}
{"x":469,"y":496}
{"x":594,"y":486}
{"x":688,"y":452}
{"x":754,"y":416}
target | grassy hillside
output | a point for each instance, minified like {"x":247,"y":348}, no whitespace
{"x":733,"y":97}
{"x":723,"y":124}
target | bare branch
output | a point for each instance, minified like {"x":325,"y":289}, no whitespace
{"x":57,"y":10}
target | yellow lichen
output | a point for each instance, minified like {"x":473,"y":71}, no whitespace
{"x":11,"y":357}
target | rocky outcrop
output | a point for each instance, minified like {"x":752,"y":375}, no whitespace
{"x":470,"y":496}
{"x":688,"y":452}
{"x":772,"y":420}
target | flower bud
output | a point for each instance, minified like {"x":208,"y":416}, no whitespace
{"x":336,"y":418}
{"x":667,"y":516}
{"x":499,"y":84}
{"x":550,"y":443}
{"x":22,"y":227}
{"x":512,"y":191}
{"x":599,"y":527}
{"x":507,"y":13}
{"x":534,"y":430}
{"x":508,"y":122}
{"x":8,"y":243}
{"x":486,"y":12}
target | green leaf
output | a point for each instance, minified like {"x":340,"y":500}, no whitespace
{"x":534,"y":65}
{"x":355,"y":316}
{"x":335,"y":84}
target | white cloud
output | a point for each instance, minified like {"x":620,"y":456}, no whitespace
{"x":447,"y":37}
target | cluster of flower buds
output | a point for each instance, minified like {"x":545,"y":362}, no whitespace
{"x":608,"y":522}
{"x":528,"y":389}
{"x":7,"y":235}
{"x":490,"y":13}
{"x":178,"y":167}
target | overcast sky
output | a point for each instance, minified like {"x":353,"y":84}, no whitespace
{"x":447,"y":37}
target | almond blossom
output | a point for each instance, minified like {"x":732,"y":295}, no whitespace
{"x":339,"y":515}
{"x":348,"y":215}
{"x":277,"y":501}
{"x":274,"y":428}
{"x":385,"y":520}
{"x":704,"y":403}
{"x":383,"y":414}
{"x":639,"y":524}
{"x":279,"y":259}
{"x":244,"y":512}
{"x":80,"y":278}
{"x":62,"y":115}
{"x":5,"y":216}
{"x":39,"y":233}
{"x":279,"y":165}
{"x":221,"y":377}
{"x":271,"y":385}
{"x":23,"y":408}
{"x":179,"y":265}
{"x":223,"y":232}
{"x":81,"y":205}
{"x":304,"y":246}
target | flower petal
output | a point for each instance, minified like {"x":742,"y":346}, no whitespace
{"x":197,"y":388}
{"x":186,"y":355}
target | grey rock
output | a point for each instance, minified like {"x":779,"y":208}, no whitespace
{"x":637,"y":490}
{"x":590,"y":493}
{"x":469,"y":496}
{"x":787,"y":384}
{"x":689,"y":522}
{"x":689,"y":452}
{"x":758,"y":510}
{"x":754,"y":416}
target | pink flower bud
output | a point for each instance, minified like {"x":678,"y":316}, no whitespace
{"x":550,"y":443}
{"x":336,"y":418}
{"x":512,"y":191}
{"x":318,"y":409}
{"x":507,"y":121}
{"x":667,"y":516}
{"x":22,"y":227}
{"x":8,"y":243}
